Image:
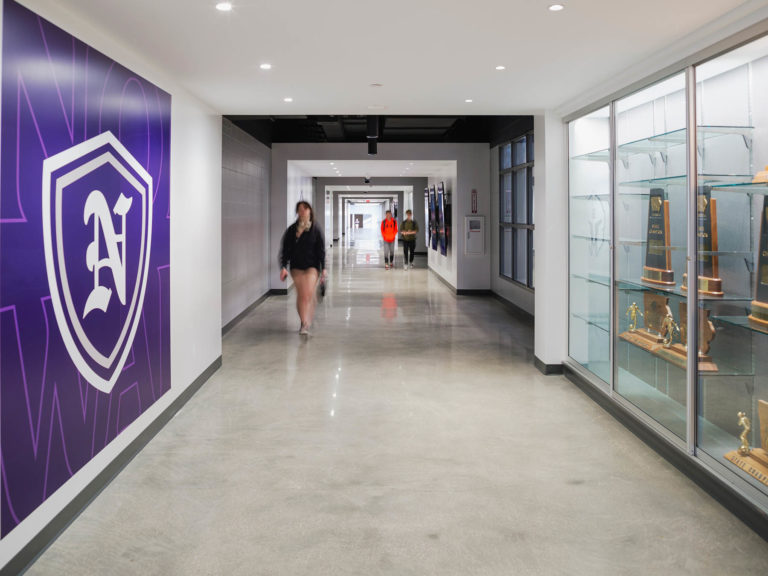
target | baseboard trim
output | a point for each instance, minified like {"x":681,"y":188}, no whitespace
{"x":513,"y":308}
{"x":472,"y":292}
{"x":714,"y":485}
{"x":443,"y":280}
{"x":547,"y":369}
{"x":40,"y":542}
{"x":237,"y":319}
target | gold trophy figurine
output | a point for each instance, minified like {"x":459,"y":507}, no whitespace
{"x":668,"y":329}
{"x":744,"y":422}
{"x":633,"y":311}
{"x":752,"y":461}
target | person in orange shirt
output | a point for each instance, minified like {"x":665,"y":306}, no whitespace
{"x":389,"y":234}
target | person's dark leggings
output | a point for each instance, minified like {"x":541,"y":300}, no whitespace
{"x":408,"y":247}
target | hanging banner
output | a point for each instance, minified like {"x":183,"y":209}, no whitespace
{"x":84,"y":256}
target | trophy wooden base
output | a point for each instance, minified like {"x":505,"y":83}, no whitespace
{"x":707,"y":286}
{"x":759,"y":315}
{"x":677,"y":354}
{"x":644,"y":339}
{"x":658,"y":277}
{"x":755,"y":463}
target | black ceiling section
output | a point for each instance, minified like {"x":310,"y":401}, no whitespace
{"x":419,"y":129}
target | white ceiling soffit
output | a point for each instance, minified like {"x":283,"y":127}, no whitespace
{"x":367,"y":188}
{"x":375,"y":168}
{"x":429,"y":57}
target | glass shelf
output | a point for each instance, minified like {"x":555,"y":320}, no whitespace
{"x":594,"y":279}
{"x":596,"y":156}
{"x":633,"y":242}
{"x":661,"y":142}
{"x":741,"y":322}
{"x":600,"y":321}
{"x":743,"y":188}
{"x":590,"y":196}
{"x":590,"y":238}
{"x":714,"y":180}
{"x":637,"y":286}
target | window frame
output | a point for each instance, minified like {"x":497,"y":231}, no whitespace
{"x":525,"y":223}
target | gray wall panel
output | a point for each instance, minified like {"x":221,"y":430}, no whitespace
{"x":246,"y":167}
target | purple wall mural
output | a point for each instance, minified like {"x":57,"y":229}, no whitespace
{"x":84,"y":256}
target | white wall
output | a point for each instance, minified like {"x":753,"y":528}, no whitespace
{"x":246,"y":165}
{"x":289,"y":185}
{"x":518,"y":295}
{"x":195,"y":257}
{"x":472,"y":171}
{"x":550,"y":238}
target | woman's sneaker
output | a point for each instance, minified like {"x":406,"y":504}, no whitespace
{"x":304,"y":330}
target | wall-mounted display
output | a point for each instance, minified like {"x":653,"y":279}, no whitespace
{"x":441,"y":234}
{"x":433,"y":218}
{"x":84,"y":268}
{"x":677,"y":160}
{"x":428,"y":217}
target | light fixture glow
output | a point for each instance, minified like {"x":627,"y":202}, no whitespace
{"x":266,"y":66}
{"x":556,"y":7}
{"x":224,"y":6}
{"x":289,"y":99}
{"x":468,"y":100}
{"x":500,"y":67}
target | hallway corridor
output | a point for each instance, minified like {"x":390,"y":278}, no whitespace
{"x":409,"y":434}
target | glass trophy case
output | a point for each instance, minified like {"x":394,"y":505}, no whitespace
{"x":589,"y":231}
{"x":651,"y":231}
{"x":732,"y":261}
{"x":667,"y":183}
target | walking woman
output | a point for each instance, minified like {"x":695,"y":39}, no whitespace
{"x":303,"y":250}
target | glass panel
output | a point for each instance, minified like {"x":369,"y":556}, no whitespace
{"x":505,"y":191}
{"x":519,"y":149}
{"x":505,"y":156}
{"x":651,"y":232}
{"x":590,"y":187}
{"x":521,"y":255}
{"x":732,"y":261}
{"x":520,"y":186}
{"x":530,"y":147}
{"x":505,"y":251}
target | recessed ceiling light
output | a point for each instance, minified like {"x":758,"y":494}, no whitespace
{"x":500,"y":67}
{"x":224,"y":6}
{"x":376,"y":85}
{"x":376,"y":107}
{"x":556,"y":7}
{"x":289,"y":99}
{"x":266,"y":66}
{"x":468,"y":100}
{"x":331,"y":163}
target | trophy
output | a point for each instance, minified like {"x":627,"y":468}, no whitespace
{"x":710,"y":283}
{"x":650,"y":337}
{"x":658,"y":258}
{"x":759,"y":315}
{"x":677,"y":352}
{"x":753,"y":461}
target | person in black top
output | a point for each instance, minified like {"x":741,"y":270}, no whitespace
{"x":303,"y":249}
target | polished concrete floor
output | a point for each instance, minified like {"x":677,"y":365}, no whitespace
{"x":409,"y":434}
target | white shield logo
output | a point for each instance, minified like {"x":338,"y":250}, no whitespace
{"x":97,"y":233}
